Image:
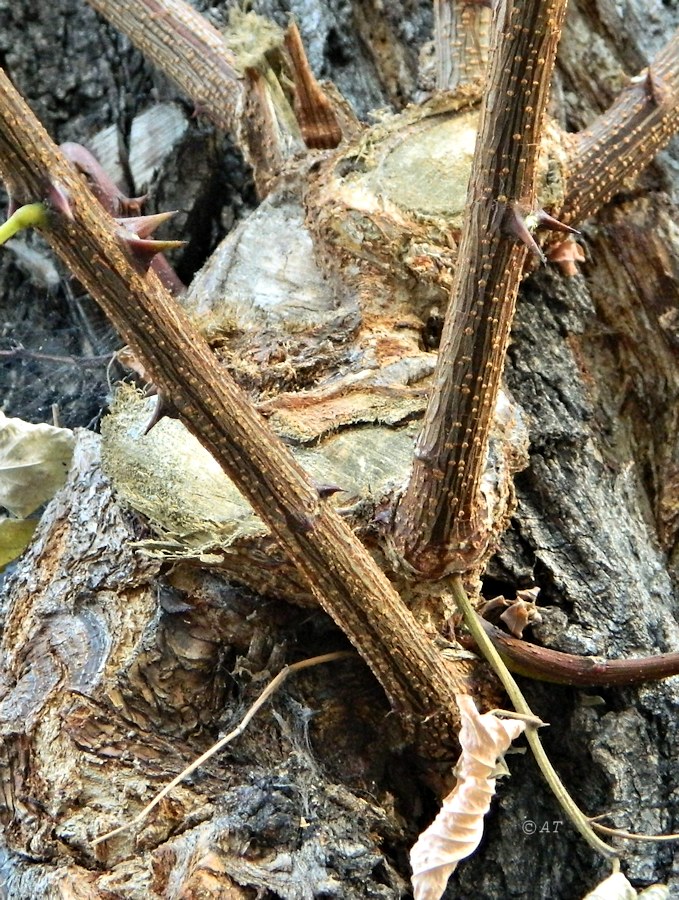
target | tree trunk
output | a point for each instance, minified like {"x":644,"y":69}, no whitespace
{"x":120,"y":665}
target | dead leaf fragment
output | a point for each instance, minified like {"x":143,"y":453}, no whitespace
{"x":15,"y":536}
{"x":34,"y":461}
{"x":456,"y":832}
{"x":566,"y":254}
{"x":617,"y":887}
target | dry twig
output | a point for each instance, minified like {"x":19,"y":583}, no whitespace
{"x":268,"y":692}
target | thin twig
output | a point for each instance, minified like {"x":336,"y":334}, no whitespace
{"x":571,"y":809}
{"x":22,"y":353}
{"x":633,"y":836}
{"x":268,"y":691}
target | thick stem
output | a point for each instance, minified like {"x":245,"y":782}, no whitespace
{"x":439,"y":524}
{"x":623,"y":141}
{"x":189,"y":50}
{"x":184,"y":45}
{"x":461,"y":36}
{"x":340,"y":573}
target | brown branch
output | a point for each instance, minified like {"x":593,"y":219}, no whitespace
{"x":545,"y":664}
{"x":461,"y":35}
{"x":340,"y":573}
{"x":440,"y":521}
{"x":184,"y":45}
{"x":624,"y":140}
{"x":189,"y":50}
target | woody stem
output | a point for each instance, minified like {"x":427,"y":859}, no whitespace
{"x":440,"y":521}
{"x":338,"y":570}
{"x":621,"y":142}
{"x":461,"y":35}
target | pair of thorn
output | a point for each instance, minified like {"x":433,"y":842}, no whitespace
{"x":135,"y":229}
{"x":521,"y":226}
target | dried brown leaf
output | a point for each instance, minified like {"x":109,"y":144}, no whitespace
{"x":456,"y":831}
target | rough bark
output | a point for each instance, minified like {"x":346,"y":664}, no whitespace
{"x":125,"y":667}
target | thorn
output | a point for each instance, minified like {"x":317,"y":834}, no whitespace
{"x":144,"y":250}
{"x":327,"y":490}
{"x":58,"y":199}
{"x":299,"y":523}
{"x":162,"y":409}
{"x":656,"y":88}
{"x":544,"y":220}
{"x":517,"y":225}
{"x":12,"y":206}
{"x":143,"y":226}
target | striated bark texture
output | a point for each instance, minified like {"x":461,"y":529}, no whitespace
{"x":118,"y":669}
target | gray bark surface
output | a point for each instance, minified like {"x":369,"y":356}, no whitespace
{"x":117,"y":669}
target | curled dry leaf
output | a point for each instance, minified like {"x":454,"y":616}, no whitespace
{"x":456,"y":831}
{"x":617,"y":887}
{"x":34,"y":460}
{"x":519,"y":615}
